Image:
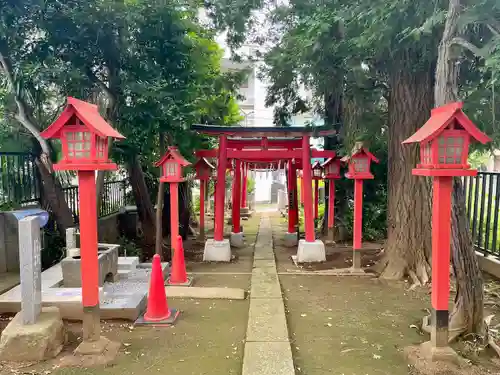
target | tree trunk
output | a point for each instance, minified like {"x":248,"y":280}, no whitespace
{"x":467,"y":313}
{"x":145,"y":209}
{"x":53,"y":197}
{"x":408,"y":247}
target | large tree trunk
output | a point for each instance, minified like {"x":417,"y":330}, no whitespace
{"x":408,"y":247}
{"x":53,"y":197}
{"x":145,"y":209}
{"x":467,"y":314}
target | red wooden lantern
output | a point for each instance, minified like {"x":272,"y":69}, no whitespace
{"x":444,"y":142}
{"x":359,"y":163}
{"x":84,"y":137}
{"x":317,"y":171}
{"x":332,"y":168}
{"x":171,"y":165}
{"x":204,"y":170}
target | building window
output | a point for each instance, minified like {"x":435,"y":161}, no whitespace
{"x":361,"y":165}
{"x":79,"y":144}
{"x":450,"y":149}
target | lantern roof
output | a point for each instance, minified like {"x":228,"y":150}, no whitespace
{"x":205,"y":162}
{"x":316,"y":165}
{"x":440,"y":118}
{"x":329,"y":161}
{"x":172,"y":153}
{"x":359,"y":149}
{"x":85,"y":112}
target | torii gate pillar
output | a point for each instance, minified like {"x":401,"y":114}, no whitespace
{"x":218,"y":249}
{"x":310,"y":250}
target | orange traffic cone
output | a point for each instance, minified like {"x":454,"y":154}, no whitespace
{"x":178,"y":275}
{"x":157,"y":311}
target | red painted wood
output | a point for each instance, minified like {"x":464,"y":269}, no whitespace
{"x":244,"y":189}
{"x":221,"y":190}
{"x":265,"y":155}
{"x":301,"y":190}
{"x":331,"y":204}
{"x":443,"y":172}
{"x":307,"y":188}
{"x":358,"y":214}
{"x":237,"y":197}
{"x":88,"y":238}
{"x":202,"y":206}
{"x":291,"y":203}
{"x":441,"y":118}
{"x":174,"y":214}
{"x":316,"y":198}
{"x":272,"y":143}
{"x":85,"y":167}
{"x":441,"y":232}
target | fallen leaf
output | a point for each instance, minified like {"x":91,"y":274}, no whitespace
{"x":302,"y":315}
{"x":347,"y":350}
{"x":329,"y":324}
{"x":376,"y":356}
{"x":126,"y":344}
{"x":413,"y":326}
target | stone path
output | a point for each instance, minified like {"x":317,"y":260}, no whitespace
{"x":267,"y":347}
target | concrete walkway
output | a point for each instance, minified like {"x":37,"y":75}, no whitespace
{"x":267,"y":347}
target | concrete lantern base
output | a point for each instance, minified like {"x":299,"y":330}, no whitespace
{"x":217,"y":251}
{"x":291,"y":239}
{"x":441,"y":354}
{"x":311,"y":252}
{"x":237,"y":239}
{"x":356,"y":260}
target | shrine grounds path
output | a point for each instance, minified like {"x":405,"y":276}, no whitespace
{"x":325,"y":325}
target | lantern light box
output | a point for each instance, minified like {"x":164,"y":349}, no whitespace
{"x":84,"y":137}
{"x":332,"y":168}
{"x":171,"y":165}
{"x":359,"y":162}
{"x":204,"y":169}
{"x":444,"y":142}
{"x":317,"y":171}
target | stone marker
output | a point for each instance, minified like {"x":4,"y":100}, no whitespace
{"x":30,"y":266}
{"x":71,"y":238}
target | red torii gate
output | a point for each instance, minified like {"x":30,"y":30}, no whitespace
{"x":264,"y":146}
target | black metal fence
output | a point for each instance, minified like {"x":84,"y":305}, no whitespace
{"x":19,"y":184}
{"x":483,"y":204}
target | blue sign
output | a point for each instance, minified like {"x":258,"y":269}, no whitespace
{"x":41,"y":215}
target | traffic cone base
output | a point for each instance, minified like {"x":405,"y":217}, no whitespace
{"x":189,"y":282}
{"x":174,"y":314}
{"x":157,"y":311}
{"x":178,"y":275}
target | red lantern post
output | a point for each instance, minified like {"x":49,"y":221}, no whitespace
{"x":236,"y":234}
{"x":444,"y":148}
{"x":203,"y":172}
{"x":317,"y":175}
{"x":244,"y":193}
{"x":291,"y":238}
{"x":84,"y":137}
{"x":359,"y":169}
{"x":171,"y":165}
{"x":332,"y":173}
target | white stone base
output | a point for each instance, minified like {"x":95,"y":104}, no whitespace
{"x":217,"y":251}
{"x":311,"y":252}
{"x":237,"y":240}
{"x":291,"y":239}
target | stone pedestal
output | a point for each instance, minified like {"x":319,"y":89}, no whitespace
{"x":291,"y":239}
{"x":217,"y":251}
{"x":33,"y":342}
{"x":441,"y":354}
{"x":311,"y":252}
{"x":356,"y":260}
{"x":237,"y":240}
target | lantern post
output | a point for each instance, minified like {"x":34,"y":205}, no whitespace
{"x":244,"y":207}
{"x":203,"y":172}
{"x":84,"y":138}
{"x":171,"y":165}
{"x":359,"y":169}
{"x":444,"y":149}
{"x":317,"y":174}
{"x":332,"y":173}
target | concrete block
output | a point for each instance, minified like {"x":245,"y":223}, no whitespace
{"x":266,"y":320}
{"x":291,"y":239}
{"x":217,"y":251}
{"x":128,"y":263}
{"x":205,"y":293}
{"x":237,"y":240}
{"x":33,"y":342}
{"x":264,"y":265}
{"x":268,"y":358}
{"x":265,"y":285}
{"x":311,"y":252}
